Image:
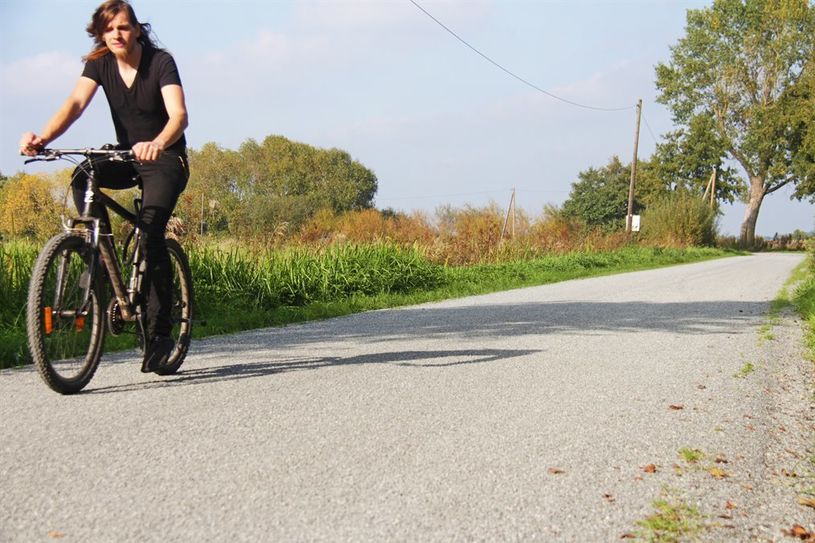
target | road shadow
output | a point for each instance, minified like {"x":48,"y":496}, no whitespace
{"x":269,"y":350}
{"x":247,"y":370}
{"x":497,"y":321}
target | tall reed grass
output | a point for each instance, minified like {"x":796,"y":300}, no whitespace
{"x":299,"y":275}
{"x":16,"y":262}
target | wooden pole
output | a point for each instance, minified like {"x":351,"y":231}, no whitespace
{"x":629,"y":215}
{"x":510,"y":213}
{"x":513,"y":212}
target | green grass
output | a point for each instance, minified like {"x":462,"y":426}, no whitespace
{"x":691,"y":456}
{"x":239,"y":289}
{"x":745,"y":370}
{"x":803,"y":299}
{"x":672,"y":521}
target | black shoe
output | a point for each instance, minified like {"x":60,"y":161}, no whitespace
{"x":157,"y":353}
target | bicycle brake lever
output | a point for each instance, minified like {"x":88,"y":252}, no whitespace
{"x":40,"y":159}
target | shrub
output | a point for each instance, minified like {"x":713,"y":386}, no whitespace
{"x":679,"y":220}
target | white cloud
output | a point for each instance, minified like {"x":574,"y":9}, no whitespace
{"x":40,"y":75}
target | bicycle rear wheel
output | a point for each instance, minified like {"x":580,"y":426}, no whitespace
{"x":181,"y":309}
{"x":65,"y":321}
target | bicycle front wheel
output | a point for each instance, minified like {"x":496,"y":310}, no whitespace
{"x":64,"y":314}
{"x":182,"y":308}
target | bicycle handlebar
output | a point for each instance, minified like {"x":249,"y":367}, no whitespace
{"x":47,"y":155}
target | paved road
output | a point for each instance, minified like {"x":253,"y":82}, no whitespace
{"x":523,"y":415}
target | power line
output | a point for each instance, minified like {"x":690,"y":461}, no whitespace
{"x":512,"y":74}
{"x":648,"y":126}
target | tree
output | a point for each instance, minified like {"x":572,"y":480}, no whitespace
{"x":688,"y":157}
{"x":743,"y":63}
{"x":600,"y":196}
{"x":30,"y":205}
{"x":278,"y":183}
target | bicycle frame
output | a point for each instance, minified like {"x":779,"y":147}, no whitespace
{"x":101,"y":239}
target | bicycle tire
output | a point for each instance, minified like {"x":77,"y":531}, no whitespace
{"x":182,"y":308}
{"x":65,"y":340}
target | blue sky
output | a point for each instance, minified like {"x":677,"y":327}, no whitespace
{"x":437,"y":123}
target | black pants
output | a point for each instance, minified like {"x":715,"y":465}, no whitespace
{"x":162,"y":182}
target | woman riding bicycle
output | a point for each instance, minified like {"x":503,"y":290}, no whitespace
{"x":146,"y":100}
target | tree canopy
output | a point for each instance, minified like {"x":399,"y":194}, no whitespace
{"x":277,"y":183}
{"x":600,"y":195}
{"x":747,"y":66}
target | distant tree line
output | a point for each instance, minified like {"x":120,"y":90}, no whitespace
{"x":272,"y":185}
{"x":261,"y":189}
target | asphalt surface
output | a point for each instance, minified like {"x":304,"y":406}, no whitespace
{"x":530,"y":414}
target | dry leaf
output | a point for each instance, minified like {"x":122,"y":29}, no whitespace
{"x":650,"y":468}
{"x":55,"y":534}
{"x":808,"y":502}
{"x":718,"y":473}
{"x":676,"y":407}
{"x":721,"y":460}
{"x":729,"y":505}
{"x":701,"y":387}
{"x":555,"y":471}
{"x":797,"y":531}
{"x":609,"y":497}
{"x":628,"y":536}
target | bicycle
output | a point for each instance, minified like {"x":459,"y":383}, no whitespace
{"x":65,"y":319}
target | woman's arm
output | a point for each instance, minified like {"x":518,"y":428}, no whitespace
{"x":176,"y":124}
{"x":70,"y":111}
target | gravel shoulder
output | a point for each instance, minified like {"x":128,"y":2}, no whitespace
{"x":527,"y":415}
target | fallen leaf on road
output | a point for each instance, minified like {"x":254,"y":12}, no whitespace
{"x":701,"y":387}
{"x":650,"y":468}
{"x":676,"y":407}
{"x":718,"y":473}
{"x":55,"y":534}
{"x":627,"y":536}
{"x":808,"y":502}
{"x":729,"y":505}
{"x":798,"y":531}
{"x":609,"y":497}
{"x":555,"y":471}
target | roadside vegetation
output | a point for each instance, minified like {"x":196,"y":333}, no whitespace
{"x":240,"y":286}
{"x":804,"y":300}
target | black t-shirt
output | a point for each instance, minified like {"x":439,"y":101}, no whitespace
{"x":139,"y":113}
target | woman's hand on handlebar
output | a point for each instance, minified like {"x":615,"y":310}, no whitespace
{"x":31,"y":144}
{"x":148,"y":151}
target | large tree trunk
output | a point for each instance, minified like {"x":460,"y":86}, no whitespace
{"x":748,"y":225}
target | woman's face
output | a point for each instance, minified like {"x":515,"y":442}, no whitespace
{"x":120,"y":35}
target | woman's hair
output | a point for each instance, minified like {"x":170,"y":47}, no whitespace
{"x":100,"y":21}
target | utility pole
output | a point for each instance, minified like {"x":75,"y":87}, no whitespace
{"x":513,"y":213}
{"x":510,"y":213}
{"x":629,"y":215}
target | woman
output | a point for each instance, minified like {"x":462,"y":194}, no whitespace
{"x":146,"y":100}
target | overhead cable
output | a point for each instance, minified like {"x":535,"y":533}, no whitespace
{"x":512,"y":74}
